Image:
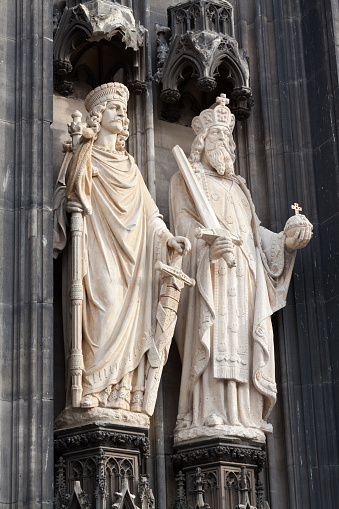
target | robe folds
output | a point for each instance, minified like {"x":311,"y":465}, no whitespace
{"x":224,"y":327}
{"x":123,"y":238}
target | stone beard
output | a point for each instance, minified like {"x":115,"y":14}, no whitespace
{"x":224,"y":332}
{"x":220,"y":155}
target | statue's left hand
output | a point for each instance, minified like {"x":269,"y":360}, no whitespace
{"x":181,"y":244}
{"x":73,"y":206}
{"x":300,"y":239}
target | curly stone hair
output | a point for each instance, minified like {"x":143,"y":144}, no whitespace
{"x":197,"y":148}
{"x":93,"y":121}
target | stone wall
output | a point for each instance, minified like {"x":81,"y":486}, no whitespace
{"x":287,"y":151}
{"x":26,"y":276}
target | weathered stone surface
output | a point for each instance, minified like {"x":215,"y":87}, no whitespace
{"x":103,"y":458}
{"x":287,"y":151}
{"x":228,"y":384}
{"x":7,"y":78}
{"x":115,"y":351}
{"x":219,"y":463}
{"x":25,"y":247}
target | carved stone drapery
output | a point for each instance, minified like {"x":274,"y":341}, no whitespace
{"x":202,"y":41}
{"x":83,"y":24}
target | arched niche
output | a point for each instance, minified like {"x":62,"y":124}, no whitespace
{"x":193,"y":99}
{"x":93,"y":42}
{"x":96,"y":63}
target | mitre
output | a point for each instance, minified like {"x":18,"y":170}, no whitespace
{"x":107,"y":92}
{"x":218,"y":114}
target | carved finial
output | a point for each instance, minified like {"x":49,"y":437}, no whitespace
{"x":296,"y":208}
{"x":180,"y":501}
{"x":244,"y":490}
{"x":180,"y":479}
{"x":198,"y":483}
{"x":75,"y":128}
{"x":222,"y":99}
{"x":76,"y":116}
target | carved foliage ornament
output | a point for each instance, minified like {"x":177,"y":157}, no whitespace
{"x":220,"y":452}
{"x":102,"y":438}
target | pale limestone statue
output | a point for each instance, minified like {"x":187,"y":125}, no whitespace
{"x":242,"y":271}
{"x":116,"y":347}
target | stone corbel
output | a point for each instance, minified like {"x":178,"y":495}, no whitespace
{"x":96,"y":446}
{"x":243,"y":102}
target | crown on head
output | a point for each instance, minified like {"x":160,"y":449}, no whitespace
{"x":107,"y":92}
{"x":217,"y":114}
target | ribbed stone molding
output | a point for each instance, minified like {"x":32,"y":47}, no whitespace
{"x":26,"y":330}
{"x":288,"y":151}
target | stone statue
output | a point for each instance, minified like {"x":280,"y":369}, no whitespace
{"x":119,"y":236}
{"x":242,"y":271}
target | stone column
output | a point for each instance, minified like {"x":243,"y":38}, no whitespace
{"x":26,"y":408}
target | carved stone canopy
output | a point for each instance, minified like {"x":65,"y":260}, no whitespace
{"x":196,"y":15}
{"x":202,"y":48}
{"x":81,"y":26}
{"x":74,"y":3}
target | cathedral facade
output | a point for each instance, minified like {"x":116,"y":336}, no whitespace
{"x":278,"y":64}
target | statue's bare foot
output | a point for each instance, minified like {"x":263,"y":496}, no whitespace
{"x":213,"y":420}
{"x":89,"y":401}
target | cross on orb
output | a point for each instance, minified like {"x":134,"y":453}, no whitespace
{"x":296,"y":208}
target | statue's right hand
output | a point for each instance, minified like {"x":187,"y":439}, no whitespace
{"x":73,"y":206}
{"x":219,"y":247}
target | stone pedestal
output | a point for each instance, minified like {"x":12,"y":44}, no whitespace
{"x":219,"y":473}
{"x":101,"y":465}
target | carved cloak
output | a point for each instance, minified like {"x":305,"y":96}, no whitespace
{"x":123,"y":237}
{"x":224,"y":328}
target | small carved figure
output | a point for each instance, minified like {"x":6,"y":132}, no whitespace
{"x":115,"y":358}
{"x":242,"y":271}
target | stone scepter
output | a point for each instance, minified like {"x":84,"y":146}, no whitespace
{"x":80,"y":172}
{"x":76,"y":288}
